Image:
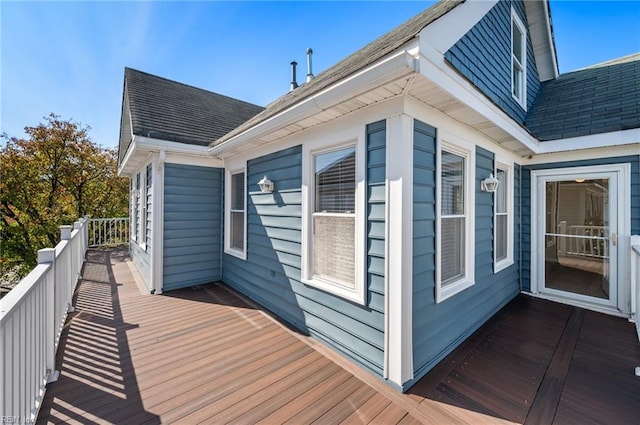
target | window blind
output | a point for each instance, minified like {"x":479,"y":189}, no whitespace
{"x":452,"y":222}
{"x":334,"y":217}
{"x":335,"y":181}
{"x":236,"y":215}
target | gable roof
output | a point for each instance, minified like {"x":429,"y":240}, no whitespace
{"x":599,"y":99}
{"x":168,"y":110}
{"x":364,"y":57}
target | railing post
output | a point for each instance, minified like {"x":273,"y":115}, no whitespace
{"x":48,"y":256}
{"x":85,"y":236}
{"x":562,"y":227}
{"x":65,"y":235}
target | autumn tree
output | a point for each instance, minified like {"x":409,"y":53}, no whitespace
{"x":52,"y":178}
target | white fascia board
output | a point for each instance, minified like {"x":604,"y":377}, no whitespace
{"x":180,"y":153}
{"x":623,"y":137}
{"x":445,"y":31}
{"x":126,"y":161}
{"x":552,"y":43}
{"x":583,"y":154}
{"x":434,"y":67}
{"x":389,"y":69}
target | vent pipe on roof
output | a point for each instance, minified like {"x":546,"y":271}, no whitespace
{"x":309,"y":71}
{"x":294,"y":83}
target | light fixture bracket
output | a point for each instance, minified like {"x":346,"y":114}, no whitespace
{"x":490,"y":184}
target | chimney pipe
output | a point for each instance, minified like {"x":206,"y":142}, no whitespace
{"x":309,"y":70}
{"x":294,"y":83}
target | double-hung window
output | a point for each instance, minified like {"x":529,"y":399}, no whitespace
{"x":148,"y":206}
{"x":334,"y":216}
{"x":455,"y":239}
{"x":503,"y":218}
{"x":236,"y":200}
{"x":518,"y":60}
{"x":332,"y":222}
{"x":137,"y":215}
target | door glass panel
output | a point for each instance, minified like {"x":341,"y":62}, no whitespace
{"x":577,"y":236}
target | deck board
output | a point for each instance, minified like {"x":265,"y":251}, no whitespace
{"x":209,"y":355}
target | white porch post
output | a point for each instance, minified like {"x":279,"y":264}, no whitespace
{"x":157,"y":223}
{"x":399,"y":254}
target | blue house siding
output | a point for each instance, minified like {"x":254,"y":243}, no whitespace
{"x":424,"y":238}
{"x":439,"y":328}
{"x":192,"y":225}
{"x":526,"y":202}
{"x":376,"y":202}
{"x":142,"y":260}
{"x":271,"y":274}
{"x":483,"y":56}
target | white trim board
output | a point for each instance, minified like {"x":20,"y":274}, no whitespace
{"x":399,"y":238}
{"x":445,"y":31}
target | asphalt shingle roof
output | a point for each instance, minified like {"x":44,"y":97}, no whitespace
{"x":172,"y":111}
{"x":366,"y":56}
{"x":598,"y":99}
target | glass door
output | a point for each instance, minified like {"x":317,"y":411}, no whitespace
{"x":580,"y":237}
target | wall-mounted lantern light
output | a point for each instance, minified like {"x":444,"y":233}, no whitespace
{"x":266,"y":185}
{"x":490,"y":184}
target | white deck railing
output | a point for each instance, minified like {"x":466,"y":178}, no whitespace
{"x":583,"y":241}
{"x":108,"y":231}
{"x":32,"y":316}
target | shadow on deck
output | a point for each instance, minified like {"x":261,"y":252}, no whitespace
{"x":206,"y":354}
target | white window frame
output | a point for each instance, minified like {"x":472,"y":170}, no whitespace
{"x":520,"y":97}
{"x":508,"y":260}
{"x":460,"y":147}
{"x":309,"y":150}
{"x":134,"y":209}
{"x":144,"y":234}
{"x":228,"y":249}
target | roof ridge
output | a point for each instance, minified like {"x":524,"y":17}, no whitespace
{"x":129,"y":69}
{"x":633,"y":57}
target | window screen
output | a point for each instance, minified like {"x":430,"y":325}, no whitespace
{"x":452,"y":218}
{"x":334,"y":216}
{"x":501,"y":221}
{"x":236,"y":215}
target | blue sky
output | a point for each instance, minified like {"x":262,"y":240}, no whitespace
{"x":69,"y":57}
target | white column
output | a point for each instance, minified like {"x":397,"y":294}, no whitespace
{"x":399,"y":250}
{"x":157,"y":224}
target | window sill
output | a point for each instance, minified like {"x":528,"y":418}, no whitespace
{"x":236,"y":253}
{"x":337,"y":289}
{"x":452,"y":289}
{"x":501,"y":265}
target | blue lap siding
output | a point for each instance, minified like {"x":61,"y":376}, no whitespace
{"x":483,"y":56}
{"x":634,"y":160}
{"x":439,"y":328}
{"x":271,"y":273}
{"x":192,"y":225}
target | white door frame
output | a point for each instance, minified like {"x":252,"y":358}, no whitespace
{"x":623,"y":194}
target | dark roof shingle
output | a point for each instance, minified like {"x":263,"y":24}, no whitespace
{"x":598,"y":99}
{"x":172,"y":111}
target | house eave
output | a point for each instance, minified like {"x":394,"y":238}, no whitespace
{"x":328,"y":104}
{"x":142,"y":146}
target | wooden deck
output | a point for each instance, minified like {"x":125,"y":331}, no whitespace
{"x":208,"y":355}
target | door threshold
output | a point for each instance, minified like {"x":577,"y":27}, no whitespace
{"x":611,"y":311}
